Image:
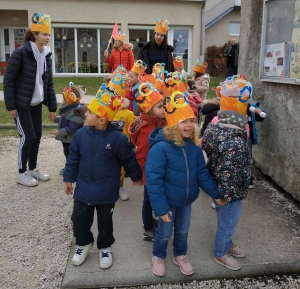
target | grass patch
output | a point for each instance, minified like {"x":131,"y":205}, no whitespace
{"x":214,"y":82}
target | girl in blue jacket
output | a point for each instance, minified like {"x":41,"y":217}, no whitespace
{"x":175,"y":169}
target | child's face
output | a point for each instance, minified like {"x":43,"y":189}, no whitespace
{"x":179,"y":68}
{"x":91,"y":118}
{"x":133,"y":78}
{"x":186,"y":127}
{"x":158,"y":110}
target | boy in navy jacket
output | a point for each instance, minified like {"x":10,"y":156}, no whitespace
{"x":96,"y":155}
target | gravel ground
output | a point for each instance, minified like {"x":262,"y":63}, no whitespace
{"x":36,"y":231}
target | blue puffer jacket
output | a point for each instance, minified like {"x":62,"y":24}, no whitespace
{"x":95,"y":161}
{"x":174,"y":174}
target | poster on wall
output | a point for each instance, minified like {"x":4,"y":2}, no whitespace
{"x":295,"y":54}
{"x":277,"y":59}
{"x":297,"y":12}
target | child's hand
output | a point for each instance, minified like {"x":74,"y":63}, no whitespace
{"x":68,"y":189}
{"x":220,"y":202}
{"x":138,"y":183}
{"x":55,"y":132}
{"x":167,"y":217}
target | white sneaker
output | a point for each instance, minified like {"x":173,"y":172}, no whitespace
{"x":106,"y":259}
{"x":26,"y":179}
{"x":37,"y":174}
{"x":80,"y":254}
{"x":123,"y":195}
{"x":213,"y":205}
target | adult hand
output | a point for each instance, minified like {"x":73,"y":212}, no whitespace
{"x":105,"y":53}
{"x":220,"y":202}
{"x":13,"y":113}
{"x":52,"y":116}
{"x":68,"y":188}
{"x":167,"y":217}
{"x":55,"y":132}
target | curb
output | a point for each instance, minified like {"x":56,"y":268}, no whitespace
{"x":12,"y":126}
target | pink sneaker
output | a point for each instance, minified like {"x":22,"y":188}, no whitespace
{"x":184,"y":264}
{"x":158,"y":266}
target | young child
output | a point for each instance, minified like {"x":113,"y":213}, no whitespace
{"x":72,"y":116}
{"x":151,"y":103}
{"x":124,"y":118}
{"x":175,"y":169}
{"x":194,"y":96}
{"x":97,"y":152}
{"x":225,"y":144}
{"x":179,"y":65}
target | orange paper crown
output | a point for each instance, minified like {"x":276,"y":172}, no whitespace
{"x":177,"y":108}
{"x":120,"y":36}
{"x":174,"y":81}
{"x":200,"y":67}
{"x":146,"y":96}
{"x":41,"y":23}
{"x":72,"y":93}
{"x":161,"y":26}
{"x":139,"y":67}
{"x":233,"y":97}
{"x":119,"y":83}
{"x":178,"y":62}
{"x":239,"y":78}
{"x":107,"y":103}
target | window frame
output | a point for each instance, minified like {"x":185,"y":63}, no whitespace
{"x":232,"y":34}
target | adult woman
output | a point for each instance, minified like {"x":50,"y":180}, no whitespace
{"x":157,"y":50}
{"x":27,"y":85}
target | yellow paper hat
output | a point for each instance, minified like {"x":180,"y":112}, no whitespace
{"x":107,"y":103}
{"x":41,"y":23}
{"x":178,"y":61}
{"x":200,"y":67}
{"x":161,"y":26}
{"x":120,"y":36}
{"x":146,"y":95}
{"x":177,"y":108}
{"x":235,"y":98}
{"x":139,"y":67}
{"x":119,"y":83}
{"x":174,"y":81}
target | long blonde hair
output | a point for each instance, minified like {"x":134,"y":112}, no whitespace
{"x":174,"y":135}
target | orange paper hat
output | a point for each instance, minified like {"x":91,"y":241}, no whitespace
{"x":41,"y":23}
{"x":239,"y":78}
{"x":177,"y":108}
{"x":146,"y":96}
{"x":139,"y":67}
{"x":178,"y":61}
{"x":107,"y":103}
{"x":200,"y":67}
{"x":174,"y":81}
{"x":235,"y":98}
{"x":120,"y":36}
{"x":157,"y":67}
{"x":119,"y":83}
{"x":72,"y":93}
{"x":161,"y":26}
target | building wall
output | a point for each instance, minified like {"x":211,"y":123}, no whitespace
{"x":279,"y":134}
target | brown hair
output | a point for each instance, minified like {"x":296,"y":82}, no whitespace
{"x":190,"y":83}
{"x":198,"y":74}
{"x":29,"y":35}
{"x":152,"y":48}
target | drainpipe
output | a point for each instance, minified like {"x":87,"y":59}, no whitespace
{"x":202,"y":32}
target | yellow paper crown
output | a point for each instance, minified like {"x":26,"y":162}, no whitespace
{"x":157,"y":67}
{"x":119,"y":83}
{"x":200,"y":67}
{"x":161,"y":26}
{"x":139,"y":67}
{"x":233,"y":97}
{"x":41,"y":23}
{"x":146,"y":96}
{"x":177,"y":108}
{"x":107,"y":103}
{"x":120,"y":36}
{"x":178,"y":61}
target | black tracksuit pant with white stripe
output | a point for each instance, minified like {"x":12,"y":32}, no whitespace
{"x":29,"y":126}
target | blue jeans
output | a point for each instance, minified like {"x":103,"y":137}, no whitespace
{"x":181,"y":221}
{"x":228,"y":217}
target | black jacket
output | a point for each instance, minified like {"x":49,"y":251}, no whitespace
{"x":144,"y":55}
{"x":210,"y":109}
{"x":19,"y":80}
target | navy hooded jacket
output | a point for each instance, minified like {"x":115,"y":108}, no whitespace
{"x":94,"y":163}
{"x":174,"y":174}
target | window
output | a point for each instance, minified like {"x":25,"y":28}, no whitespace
{"x":234,"y":28}
{"x":139,"y":35}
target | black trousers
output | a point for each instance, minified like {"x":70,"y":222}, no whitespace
{"x":232,"y":70}
{"x":66,"y":147}
{"x":29,"y":126}
{"x":83,"y":217}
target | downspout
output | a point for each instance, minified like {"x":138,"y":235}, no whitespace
{"x":202,"y":32}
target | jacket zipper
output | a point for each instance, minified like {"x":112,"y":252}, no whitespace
{"x":187,"y":175}
{"x":91,"y":168}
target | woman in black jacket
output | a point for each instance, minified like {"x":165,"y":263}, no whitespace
{"x":28,"y":84}
{"x":157,"y":50}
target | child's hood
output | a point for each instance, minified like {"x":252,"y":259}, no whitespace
{"x":156,"y":136}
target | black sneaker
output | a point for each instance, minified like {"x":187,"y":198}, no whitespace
{"x":251,"y":185}
{"x":149,"y":235}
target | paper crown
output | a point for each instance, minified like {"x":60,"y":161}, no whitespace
{"x":146,"y":95}
{"x":107,"y":103}
{"x":174,"y":81}
{"x":41,"y":23}
{"x":239,"y":78}
{"x":120,"y":83}
{"x":120,"y":36}
{"x":177,"y":108}
{"x":72,"y":93}
{"x":139,"y":67}
{"x":200,"y":67}
{"x":161,"y":26}
{"x":157,"y":67}
{"x":234,"y":97}
{"x":178,"y":61}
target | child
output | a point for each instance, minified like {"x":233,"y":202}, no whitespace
{"x":225,"y":144}
{"x":193,"y":94}
{"x":124,"y":118}
{"x":97,"y":152}
{"x":175,"y":169}
{"x":201,"y":79}
{"x":151,"y":103}
{"x":179,"y":65}
{"x":71,"y":119}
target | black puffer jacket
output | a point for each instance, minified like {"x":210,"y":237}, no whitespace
{"x":19,"y":80}
{"x":144,"y":55}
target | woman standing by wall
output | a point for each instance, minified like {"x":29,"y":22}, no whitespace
{"x":28,"y":84}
